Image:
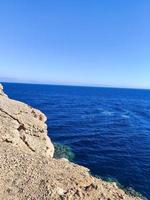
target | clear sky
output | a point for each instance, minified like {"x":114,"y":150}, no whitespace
{"x":77,"y":42}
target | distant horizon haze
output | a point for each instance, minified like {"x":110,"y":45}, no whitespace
{"x":68,"y":84}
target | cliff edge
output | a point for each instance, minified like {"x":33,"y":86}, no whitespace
{"x":28,"y":170}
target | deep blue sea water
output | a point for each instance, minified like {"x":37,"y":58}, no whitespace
{"x":108,"y":129}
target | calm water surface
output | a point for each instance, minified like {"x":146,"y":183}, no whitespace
{"x":108,"y":129}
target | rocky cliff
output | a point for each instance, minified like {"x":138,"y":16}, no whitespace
{"x":28,"y":170}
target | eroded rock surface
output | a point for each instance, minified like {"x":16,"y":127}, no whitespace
{"x":27,"y":169}
{"x":23,"y":126}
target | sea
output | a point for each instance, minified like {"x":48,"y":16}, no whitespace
{"x":107,"y":129}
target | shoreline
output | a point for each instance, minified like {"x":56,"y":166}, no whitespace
{"x":26,"y":155}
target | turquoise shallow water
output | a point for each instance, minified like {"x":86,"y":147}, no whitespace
{"x":107,"y":129}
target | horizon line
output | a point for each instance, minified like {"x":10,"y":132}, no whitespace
{"x":74,"y":85}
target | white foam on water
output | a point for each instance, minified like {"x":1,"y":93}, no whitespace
{"x":125,"y":116}
{"x":107,"y":113}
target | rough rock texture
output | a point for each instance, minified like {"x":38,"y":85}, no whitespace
{"x":27,"y":169}
{"x":23,"y":126}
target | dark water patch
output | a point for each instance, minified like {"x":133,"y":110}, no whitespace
{"x":63,"y":151}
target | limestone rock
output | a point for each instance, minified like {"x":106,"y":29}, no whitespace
{"x":23,"y":126}
{"x":1,"y":90}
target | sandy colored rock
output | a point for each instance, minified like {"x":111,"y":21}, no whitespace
{"x":27,"y":169}
{"x":23,"y":126}
{"x":1,"y":91}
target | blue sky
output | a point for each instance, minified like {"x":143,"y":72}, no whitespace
{"x":77,"y":42}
